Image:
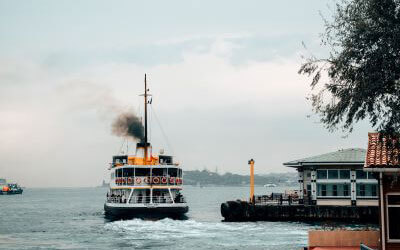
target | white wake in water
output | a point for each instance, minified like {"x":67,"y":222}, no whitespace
{"x":184,"y":234}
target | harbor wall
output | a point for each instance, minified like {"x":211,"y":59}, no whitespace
{"x":245,"y":211}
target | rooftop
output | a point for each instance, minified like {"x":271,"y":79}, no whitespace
{"x":347,"y":156}
{"x":380,"y":153}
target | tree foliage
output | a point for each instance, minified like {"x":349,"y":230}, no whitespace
{"x":363,"y":67}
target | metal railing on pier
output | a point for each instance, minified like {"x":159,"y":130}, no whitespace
{"x":276,"y":199}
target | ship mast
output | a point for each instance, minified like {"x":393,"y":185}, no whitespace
{"x":145,"y":119}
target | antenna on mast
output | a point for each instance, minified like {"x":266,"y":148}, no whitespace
{"x":145,"y":118}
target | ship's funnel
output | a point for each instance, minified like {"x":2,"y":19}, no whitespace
{"x":140,"y":149}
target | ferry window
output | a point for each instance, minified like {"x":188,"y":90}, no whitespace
{"x":173,"y":172}
{"x":142,"y":171}
{"x":118,"y":172}
{"x":128,"y":172}
{"x":393,"y":216}
{"x":333,"y":174}
{"x":360,"y":174}
{"x":321,"y":174}
{"x":344,"y":174}
{"x":157,"y":172}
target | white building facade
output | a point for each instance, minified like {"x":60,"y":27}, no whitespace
{"x":336,"y":179}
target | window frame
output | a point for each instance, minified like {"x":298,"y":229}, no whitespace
{"x":387,"y":216}
{"x":340,"y":189}
{"x":326,"y":174}
{"x":337,"y":174}
{"x":360,"y":170}
{"x":342,"y":170}
{"x":367,"y":188}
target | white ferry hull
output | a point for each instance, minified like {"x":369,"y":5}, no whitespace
{"x":117,"y":211}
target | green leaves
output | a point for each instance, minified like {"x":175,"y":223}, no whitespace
{"x":363,"y":69}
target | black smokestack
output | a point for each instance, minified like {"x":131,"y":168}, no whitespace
{"x":128,"y":124}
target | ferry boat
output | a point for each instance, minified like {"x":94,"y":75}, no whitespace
{"x":10,"y":188}
{"x":145,"y":185}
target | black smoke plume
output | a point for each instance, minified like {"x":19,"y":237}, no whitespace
{"x":128,"y":124}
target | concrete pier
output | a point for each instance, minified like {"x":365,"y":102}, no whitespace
{"x":245,"y":211}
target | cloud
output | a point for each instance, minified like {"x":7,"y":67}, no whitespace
{"x":55,"y":125}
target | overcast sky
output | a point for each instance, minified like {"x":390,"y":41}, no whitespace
{"x":223,"y":75}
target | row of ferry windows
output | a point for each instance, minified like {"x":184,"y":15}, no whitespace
{"x":129,"y":172}
{"x":342,"y":174}
{"x":362,"y":190}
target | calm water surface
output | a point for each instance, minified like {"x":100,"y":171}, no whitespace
{"x":73,"y":219}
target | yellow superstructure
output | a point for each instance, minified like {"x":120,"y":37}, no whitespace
{"x":134,"y":160}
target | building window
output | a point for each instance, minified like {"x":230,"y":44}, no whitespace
{"x":323,"y":190}
{"x":344,"y":174}
{"x":334,"y":190}
{"x":360,"y":174}
{"x":373,"y":190}
{"x":361,"y":189}
{"x":333,"y":174}
{"x":308,"y":174}
{"x":371,"y":175}
{"x":367,"y":190}
{"x":346,"y":189}
{"x":393,"y":216}
{"x":322,"y":174}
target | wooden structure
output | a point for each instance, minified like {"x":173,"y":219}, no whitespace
{"x":383,"y":159}
{"x":342,"y":239}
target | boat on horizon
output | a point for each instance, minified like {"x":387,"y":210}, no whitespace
{"x":9,"y":188}
{"x":144,"y":185}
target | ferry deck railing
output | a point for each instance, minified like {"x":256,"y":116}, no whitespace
{"x":146,"y":199}
{"x":147,"y":180}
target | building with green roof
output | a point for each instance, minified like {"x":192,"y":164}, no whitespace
{"x":336,"y":178}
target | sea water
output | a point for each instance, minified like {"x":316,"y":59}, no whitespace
{"x":73,"y":218}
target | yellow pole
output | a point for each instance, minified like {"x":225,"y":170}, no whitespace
{"x":251,"y":162}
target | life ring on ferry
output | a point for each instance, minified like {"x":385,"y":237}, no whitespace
{"x":146,"y":180}
{"x":164,"y":180}
{"x":130,"y":180}
{"x":171,"y":180}
{"x":178,"y":181}
{"x":123,"y":180}
{"x":156,"y":180}
{"x":138,"y":180}
{"x":116,"y":181}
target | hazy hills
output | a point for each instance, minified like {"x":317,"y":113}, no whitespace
{"x":206,"y":177}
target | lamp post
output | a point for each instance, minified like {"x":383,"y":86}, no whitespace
{"x":251,"y":163}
